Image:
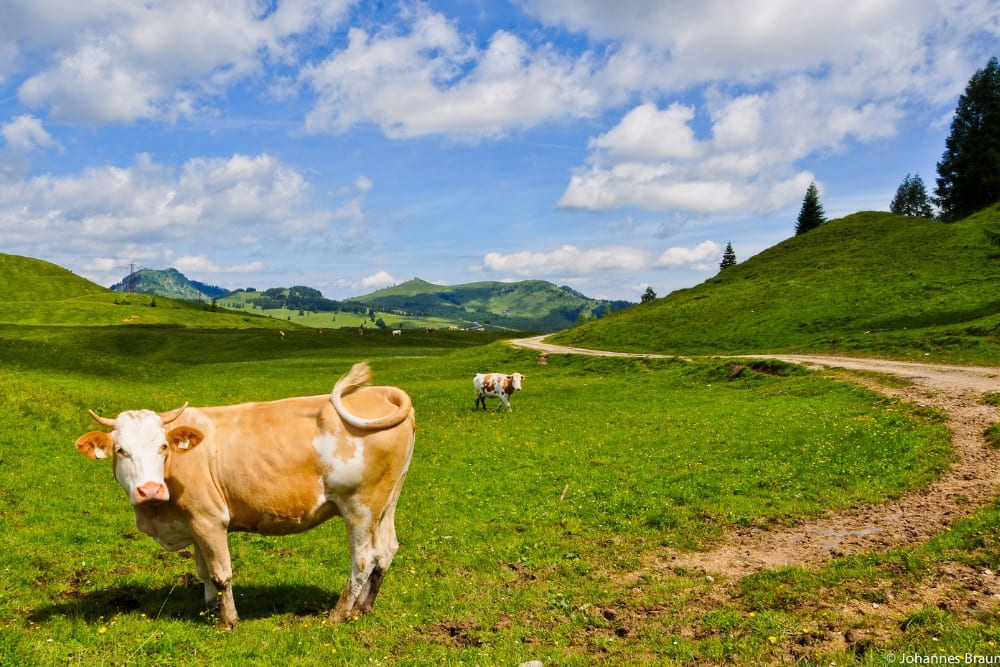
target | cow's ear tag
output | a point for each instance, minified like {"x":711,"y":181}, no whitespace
{"x":184,"y":438}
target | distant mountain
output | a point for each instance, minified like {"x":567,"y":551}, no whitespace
{"x":169,"y":283}
{"x":528,"y":305}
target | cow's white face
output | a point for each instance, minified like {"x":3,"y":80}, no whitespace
{"x":139,"y":444}
{"x":516,"y":381}
{"x":140,"y":449}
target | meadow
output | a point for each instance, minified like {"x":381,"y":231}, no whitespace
{"x":525,"y":535}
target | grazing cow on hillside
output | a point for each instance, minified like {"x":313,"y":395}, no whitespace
{"x":195,"y":474}
{"x":496,"y":385}
{"x":397,"y":332}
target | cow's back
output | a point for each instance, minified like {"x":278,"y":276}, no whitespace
{"x":279,"y":467}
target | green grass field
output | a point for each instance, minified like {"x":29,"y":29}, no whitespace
{"x":524,"y":535}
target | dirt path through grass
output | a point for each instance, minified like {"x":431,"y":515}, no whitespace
{"x":916,"y":517}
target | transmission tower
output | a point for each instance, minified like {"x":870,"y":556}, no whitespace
{"x":131,"y":279}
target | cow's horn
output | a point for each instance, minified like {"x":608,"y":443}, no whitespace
{"x":168,"y":417}
{"x":103,"y":421}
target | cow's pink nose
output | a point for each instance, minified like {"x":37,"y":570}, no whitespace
{"x":151,"y":491}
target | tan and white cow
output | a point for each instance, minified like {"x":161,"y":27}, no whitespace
{"x":496,"y":385}
{"x":194,"y":475}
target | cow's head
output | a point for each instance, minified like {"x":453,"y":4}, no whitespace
{"x":139,"y":445}
{"x":515,"y":381}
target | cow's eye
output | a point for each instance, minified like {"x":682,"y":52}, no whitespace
{"x":163,"y":448}
{"x":121,"y":452}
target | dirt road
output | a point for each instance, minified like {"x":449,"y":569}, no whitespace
{"x":916,"y":517}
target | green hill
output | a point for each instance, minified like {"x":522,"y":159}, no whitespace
{"x":170,"y":283}
{"x":528,"y":305}
{"x":35,"y":292}
{"x":870,"y":283}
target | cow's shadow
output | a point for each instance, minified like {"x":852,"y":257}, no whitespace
{"x":187,"y":602}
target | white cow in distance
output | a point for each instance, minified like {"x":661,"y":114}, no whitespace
{"x":496,"y":385}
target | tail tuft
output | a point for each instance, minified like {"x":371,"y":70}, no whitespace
{"x":359,"y":374}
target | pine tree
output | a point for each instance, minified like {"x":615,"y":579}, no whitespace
{"x":728,"y":257}
{"x":811,"y":214}
{"x":969,"y":170}
{"x":911,"y":199}
{"x":649,"y":295}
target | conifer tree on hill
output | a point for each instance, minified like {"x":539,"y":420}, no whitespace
{"x":728,"y":257}
{"x":911,"y":199}
{"x":969,"y":170}
{"x":811,"y":214}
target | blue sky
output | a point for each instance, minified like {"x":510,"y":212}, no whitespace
{"x":349,"y":146}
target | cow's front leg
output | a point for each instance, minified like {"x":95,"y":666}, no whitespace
{"x":211,"y":592}
{"x":213,"y":547}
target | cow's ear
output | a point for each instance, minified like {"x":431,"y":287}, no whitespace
{"x":184,"y":438}
{"x":95,"y":445}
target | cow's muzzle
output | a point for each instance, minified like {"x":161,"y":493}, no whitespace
{"x":151,"y":492}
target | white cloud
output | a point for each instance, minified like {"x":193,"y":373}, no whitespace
{"x":257,"y":203}
{"x":122,"y":62}
{"x":378,"y":279}
{"x":201,"y":265}
{"x":701,"y":257}
{"x":25,"y":134}
{"x":569,"y":260}
{"x":645,"y":133}
{"x":776,"y":85}
{"x":434,"y":80}
{"x":374,"y":281}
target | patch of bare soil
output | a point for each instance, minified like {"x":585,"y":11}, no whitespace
{"x":916,"y":517}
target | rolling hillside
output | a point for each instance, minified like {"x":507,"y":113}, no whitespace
{"x":864,"y":283}
{"x":35,"y":292}
{"x":528,"y":305}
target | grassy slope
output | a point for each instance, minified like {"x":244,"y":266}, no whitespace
{"x":872,"y":283}
{"x":36,"y":292}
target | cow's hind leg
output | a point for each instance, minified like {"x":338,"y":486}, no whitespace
{"x":372,"y":532}
{"x":373,"y":546}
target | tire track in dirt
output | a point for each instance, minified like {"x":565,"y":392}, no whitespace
{"x":971,"y":482}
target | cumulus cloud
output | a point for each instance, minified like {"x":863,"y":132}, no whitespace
{"x":430,"y":79}
{"x":570,"y":260}
{"x":25,"y":133}
{"x":122,"y":62}
{"x":701,"y":257}
{"x":201,"y":265}
{"x":255,"y":203}
{"x":378,"y":279}
{"x":849,"y":70}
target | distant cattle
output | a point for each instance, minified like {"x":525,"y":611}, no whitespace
{"x":195,"y":474}
{"x":496,"y":385}
{"x":397,"y":332}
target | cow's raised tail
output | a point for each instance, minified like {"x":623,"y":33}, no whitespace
{"x":359,"y":375}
